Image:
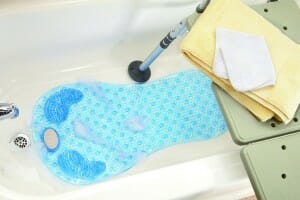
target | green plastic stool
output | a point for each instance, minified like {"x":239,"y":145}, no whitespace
{"x":270,"y":154}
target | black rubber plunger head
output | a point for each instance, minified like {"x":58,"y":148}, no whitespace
{"x":136,"y":74}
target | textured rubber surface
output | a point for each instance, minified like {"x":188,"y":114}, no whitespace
{"x":105,"y":129}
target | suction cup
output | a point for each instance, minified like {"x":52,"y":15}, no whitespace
{"x":136,"y":74}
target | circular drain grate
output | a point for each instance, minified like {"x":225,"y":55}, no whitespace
{"x":21,"y":141}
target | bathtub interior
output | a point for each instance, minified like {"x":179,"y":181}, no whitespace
{"x":82,"y":41}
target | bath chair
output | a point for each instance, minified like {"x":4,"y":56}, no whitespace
{"x":269,"y":149}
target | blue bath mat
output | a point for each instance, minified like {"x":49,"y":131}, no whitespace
{"x":105,"y":129}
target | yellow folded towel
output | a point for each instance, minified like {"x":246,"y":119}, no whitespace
{"x":281,"y":100}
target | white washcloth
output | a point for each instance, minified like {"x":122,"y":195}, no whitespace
{"x":244,"y":59}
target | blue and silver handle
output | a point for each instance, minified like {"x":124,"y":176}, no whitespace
{"x":180,"y":29}
{"x":139,"y":71}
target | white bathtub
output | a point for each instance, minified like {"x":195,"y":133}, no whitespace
{"x":51,"y":43}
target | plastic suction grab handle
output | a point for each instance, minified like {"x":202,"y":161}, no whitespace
{"x":202,"y":6}
{"x":173,"y":34}
{"x":165,"y":42}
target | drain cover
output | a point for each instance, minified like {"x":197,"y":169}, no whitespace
{"x":21,"y":141}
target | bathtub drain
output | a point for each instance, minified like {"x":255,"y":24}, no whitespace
{"x":22,"y":141}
